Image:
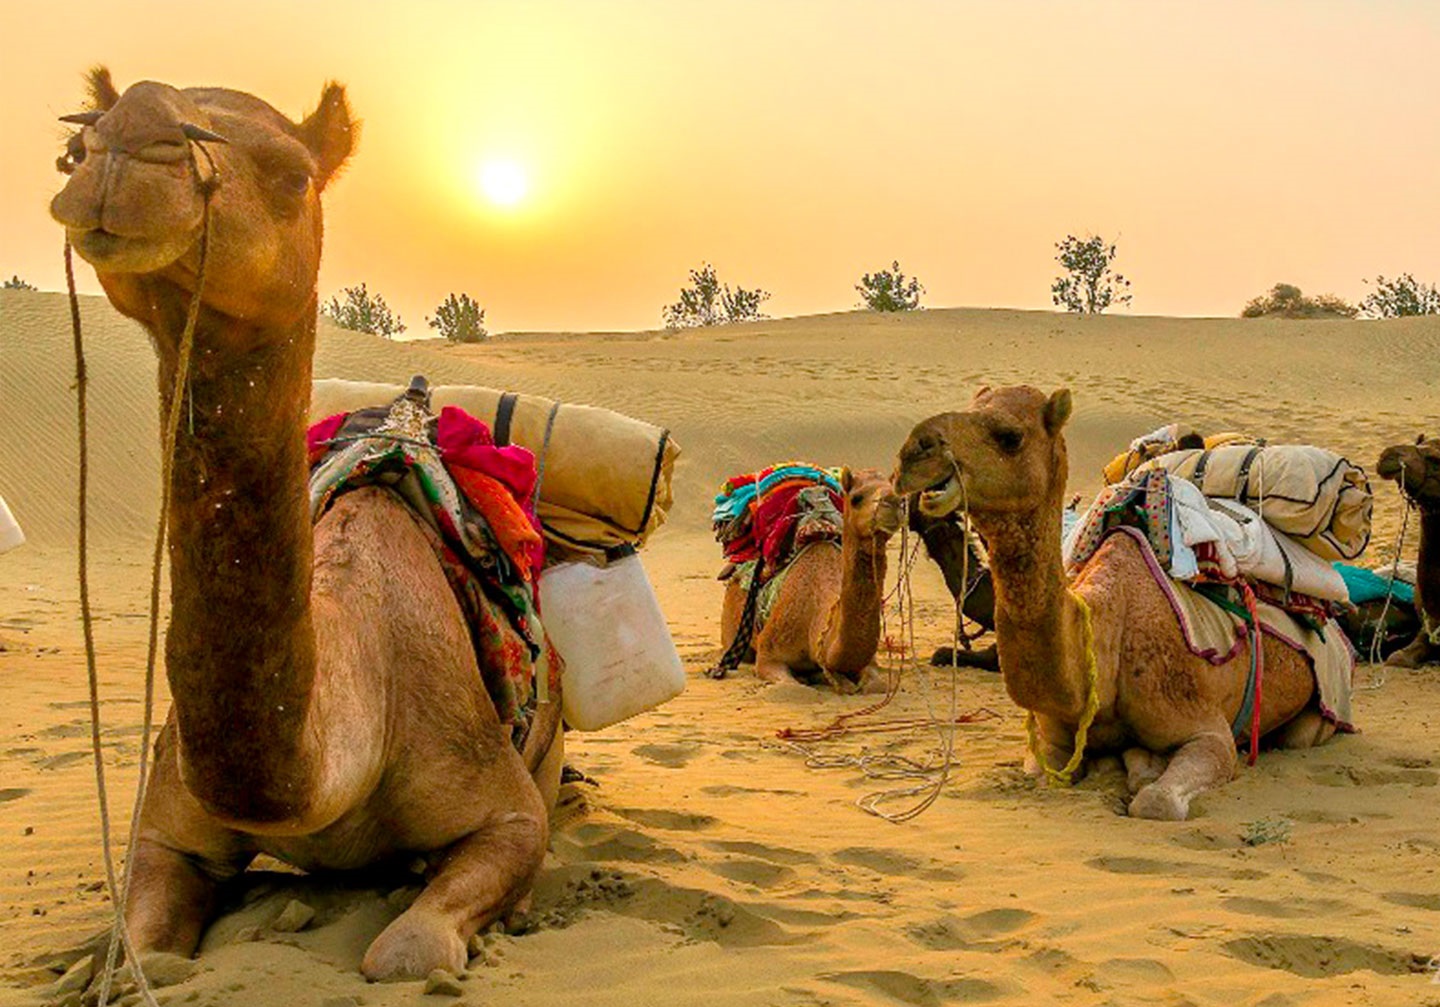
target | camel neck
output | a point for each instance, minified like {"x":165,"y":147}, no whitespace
{"x":1035,"y":618}
{"x":853,"y":627}
{"x":1427,"y":572}
{"x":241,"y":651}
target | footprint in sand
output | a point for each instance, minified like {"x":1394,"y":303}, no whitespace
{"x":775,"y":854}
{"x":1289,"y":909}
{"x":659,"y":818}
{"x":912,"y":989}
{"x":1415,"y":900}
{"x":1141,"y":865}
{"x":991,"y":930}
{"x":1316,"y":957}
{"x":670,"y":756}
{"x":13,"y":794}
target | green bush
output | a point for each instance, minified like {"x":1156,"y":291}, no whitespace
{"x":362,"y":311}
{"x":1401,"y":297}
{"x":460,"y":320}
{"x":1285,"y":300}
{"x":1090,"y":285}
{"x":706,"y":301}
{"x":890,"y":290}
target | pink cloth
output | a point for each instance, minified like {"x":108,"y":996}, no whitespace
{"x":464,"y":440}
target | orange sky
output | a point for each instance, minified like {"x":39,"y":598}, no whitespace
{"x":797,"y":145}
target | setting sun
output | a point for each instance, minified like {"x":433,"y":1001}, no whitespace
{"x":504,"y":182}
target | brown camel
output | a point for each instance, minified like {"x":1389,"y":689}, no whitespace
{"x":1417,"y":468}
{"x":327,"y":705}
{"x":1166,"y":710}
{"x":826,"y":614}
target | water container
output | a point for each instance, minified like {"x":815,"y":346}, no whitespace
{"x":606,"y":623}
{"x":10,"y":533}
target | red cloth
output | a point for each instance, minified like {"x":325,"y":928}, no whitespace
{"x":515,"y":530}
{"x":464,"y":440}
{"x":319,"y":433}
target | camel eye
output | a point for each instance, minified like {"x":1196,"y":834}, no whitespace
{"x":295,"y":183}
{"x":1008,"y":441}
{"x":856,"y":499}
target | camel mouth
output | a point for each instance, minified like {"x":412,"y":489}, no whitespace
{"x":943,"y":497}
{"x":117,"y":253}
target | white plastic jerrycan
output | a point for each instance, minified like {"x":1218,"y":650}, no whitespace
{"x":10,"y":533}
{"x":607,"y":625}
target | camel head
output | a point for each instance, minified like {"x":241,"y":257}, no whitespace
{"x":140,"y":169}
{"x":1003,"y":454}
{"x":1417,"y":468}
{"x":872,"y":507}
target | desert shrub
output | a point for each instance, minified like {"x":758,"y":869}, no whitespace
{"x":15,"y":283}
{"x":1285,"y":300}
{"x":890,"y":290}
{"x":706,"y":301}
{"x":1401,"y":297}
{"x":1090,"y":284}
{"x":460,"y":320}
{"x":362,"y":311}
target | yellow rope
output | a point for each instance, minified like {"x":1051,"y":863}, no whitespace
{"x":1087,"y":717}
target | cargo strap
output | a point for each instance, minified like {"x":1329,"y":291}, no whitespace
{"x":744,"y":632}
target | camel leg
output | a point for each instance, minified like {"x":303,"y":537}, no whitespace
{"x":480,"y":878}
{"x":1306,"y":730}
{"x":1205,"y":761}
{"x":1057,"y":753}
{"x":171,"y":899}
{"x":1415,"y":654}
{"x":873,"y":680}
{"x":1142,"y":767}
{"x":775,"y":672}
{"x":987,"y":658}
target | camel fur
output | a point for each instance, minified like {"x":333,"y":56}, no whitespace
{"x":1416,"y":467}
{"x":1167,"y":711}
{"x":826,"y":615}
{"x":327,"y":706}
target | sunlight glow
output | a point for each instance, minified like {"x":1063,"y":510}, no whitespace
{"x":503,"y":182}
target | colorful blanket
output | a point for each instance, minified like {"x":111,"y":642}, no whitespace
{"x":475,"y":505}
{"x":774,"y":513}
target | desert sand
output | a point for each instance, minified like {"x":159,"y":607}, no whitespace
{"x":706,"y":863}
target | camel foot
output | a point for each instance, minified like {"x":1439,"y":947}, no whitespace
{"x":1160,"y":804}
{"x":1142,"y":767}
{"x":874,"y":681}
{"x":1415,"y":654}
{"x":775,"y":673}
{"x":412,"y":946}
{"x":986,"y":658}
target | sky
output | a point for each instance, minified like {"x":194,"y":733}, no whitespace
{"x":1224,"y":146}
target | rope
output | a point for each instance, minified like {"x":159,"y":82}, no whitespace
{"x":1066,"y":776}
{"x":1377,"y":637}
{"x":119,"y":894}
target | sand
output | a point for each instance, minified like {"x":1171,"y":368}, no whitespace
{"x":707,"y":864}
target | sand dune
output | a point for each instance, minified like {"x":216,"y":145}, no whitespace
{"x":708,"y":864}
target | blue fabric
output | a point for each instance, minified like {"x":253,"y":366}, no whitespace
{"x":1367,"y":585}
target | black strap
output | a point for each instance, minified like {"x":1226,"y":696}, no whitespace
{"x":1198,"y":478}
{"x":1242,"y":491}
{"x":744,"y":633}
{"x":504,"y":414}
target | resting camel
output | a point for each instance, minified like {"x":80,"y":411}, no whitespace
{"x":1417,"y":468}
{"x":327,"y":705}
{"x":1166,"y":710}
{"x":826,"y":614}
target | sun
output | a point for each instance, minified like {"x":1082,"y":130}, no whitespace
{"x":504,"y":182}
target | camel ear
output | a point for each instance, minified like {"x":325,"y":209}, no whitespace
{"x":980,"y":393}
{"x":330,"y":133}
{"x":102,"y":88}
{"x":1057,"y":411}
{"x":847,"y":479}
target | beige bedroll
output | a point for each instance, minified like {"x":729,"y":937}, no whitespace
{"x":1309,"y":493}
{"x":606,"y":479}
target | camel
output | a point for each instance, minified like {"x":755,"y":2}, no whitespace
{"x":1417,"y":468}
{"x":967,"y":578}
{"x":327,"y":705}
{"x":826,"y":614}
{"x":1167,"y":711}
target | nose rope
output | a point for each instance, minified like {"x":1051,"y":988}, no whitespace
{"x":119,"y":893}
